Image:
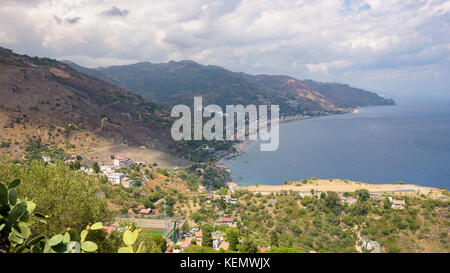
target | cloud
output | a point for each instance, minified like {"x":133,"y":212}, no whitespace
{"x":352,"y":40}
{"x":115,"y":11}
{"x":71,"y":21}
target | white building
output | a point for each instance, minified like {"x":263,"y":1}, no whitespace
{"x":398,"y":204}
{"x":230,"y":200}
{"x":303,"y":194}
{"x":122,"y":161}
{"x":232,"y":186}
{"x":126,"y":182}
{"x":46,"y":159}
{"x":108,"y":169}
{"x":217,"y":240}
{"x":115,"y":178}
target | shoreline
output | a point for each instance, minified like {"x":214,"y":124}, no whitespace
{"x":242,"y":147}
{"x":341,"y":186}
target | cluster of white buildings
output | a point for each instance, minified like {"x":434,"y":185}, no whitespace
{"x":228,"y":199}
{"x":115,"y":177}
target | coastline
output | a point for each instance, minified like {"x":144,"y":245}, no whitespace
{"x":341,"y":186}
{"x":242,"y":147}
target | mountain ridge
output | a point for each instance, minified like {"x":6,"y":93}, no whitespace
{"x":44,"y":93}
{"x":177,"y":82}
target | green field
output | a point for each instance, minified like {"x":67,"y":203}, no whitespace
{"x":161,"y":232}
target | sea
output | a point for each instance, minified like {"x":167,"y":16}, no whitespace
{"x":408,"y":142}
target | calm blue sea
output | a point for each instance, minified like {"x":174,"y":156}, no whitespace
{"x":383,"y":144}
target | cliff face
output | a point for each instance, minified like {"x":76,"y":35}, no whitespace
{"x":44,"y":93}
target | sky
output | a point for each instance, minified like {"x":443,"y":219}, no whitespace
{"x":394,"y":47}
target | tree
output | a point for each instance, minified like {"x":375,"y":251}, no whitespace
{"x":332,"y":200}
{"x":199,"y":249}
{"x":232,"y":237}
{"x":386,"y":203}
{"x":153,"y":243}
{"x":207,"y":236}
{"x":95,"y":167}
{"x":273,"y":238}
{"x":196,"y":217}
{"x":248,"y":246}
{"x":67,"y":197}
{"x":363,"y":194}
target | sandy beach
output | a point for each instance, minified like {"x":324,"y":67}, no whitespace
{"x":338,"y":185}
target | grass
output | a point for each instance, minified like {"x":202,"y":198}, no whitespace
{"x":161,"y":232}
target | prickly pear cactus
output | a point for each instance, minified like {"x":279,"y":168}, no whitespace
{"x":16,"y":217}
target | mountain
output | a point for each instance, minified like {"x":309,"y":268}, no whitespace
{"x":178,"y":82}
{"x":343,"y":95}
{"x":45,"y":94}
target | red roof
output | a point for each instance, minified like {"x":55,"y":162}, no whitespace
{"x":227,"y":219}
{"x":145,"y":211}
{"x":224,"y":245}
{"x":186,"y":242}
{"x":110,"y":229}
{"x":121,"y":157}
{"x":264,"y":249}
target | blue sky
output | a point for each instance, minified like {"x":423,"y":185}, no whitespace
{"x":394,"y":47}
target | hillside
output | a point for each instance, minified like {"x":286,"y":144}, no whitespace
{"x":177,"y":83}
{"x":343,"y":95}
{"x":49,"y":101}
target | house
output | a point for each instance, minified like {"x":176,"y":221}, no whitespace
{"x":198,"y":235}
{"x":375,"y":196}
{"x":145,"y":211}
{"x":232,"y":186}
{"x":303,"y":194}
{"x":87,"y":170}
{"x":272,"y":201}
{"x":46,"y":159}
{"x":121,"y":161}
{"x":115,"y":178}
{"x":110,"y":229}
{"x":217,"y":240}
{"x":227,"y":220}
{"x":206,"y":147}
{"x":350,"y":200}
{"x":224,"y":245}
{"x":264,"y":249}
{"x":126,"y":182}
{"x":187,"y":242}
{"x":398,"y":204}
{"x":108,"y":169}
{"x":230,"y":200}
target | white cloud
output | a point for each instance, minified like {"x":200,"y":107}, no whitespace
{"x":329,"y":40}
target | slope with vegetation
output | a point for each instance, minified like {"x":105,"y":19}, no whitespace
{"x":51,"y":101}
{"x":178,"y":82}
